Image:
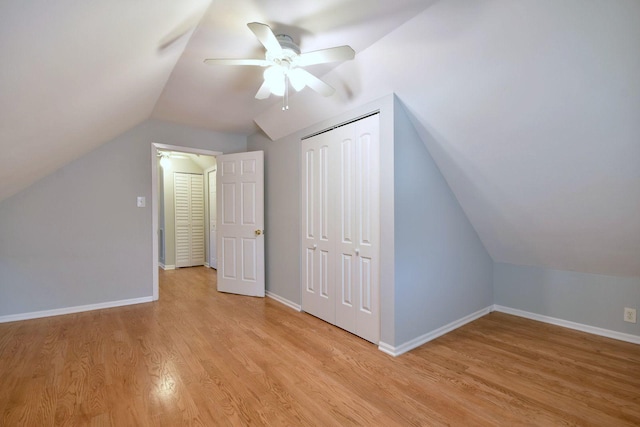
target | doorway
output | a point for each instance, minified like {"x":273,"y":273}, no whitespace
{"x":160,"y":233}
{"x":184,"y":209}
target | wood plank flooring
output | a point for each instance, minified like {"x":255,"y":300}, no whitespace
{"x":199,"y":357}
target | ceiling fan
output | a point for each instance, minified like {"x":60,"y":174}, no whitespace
{"x":284,"y":62}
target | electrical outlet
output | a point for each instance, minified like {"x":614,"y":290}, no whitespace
{"x":630,"y":315}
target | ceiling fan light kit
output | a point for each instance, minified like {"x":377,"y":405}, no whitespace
{"x":284,"y":62}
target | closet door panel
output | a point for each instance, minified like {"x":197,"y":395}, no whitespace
{"x":318,"y":266}
{"x":368,"y":219}
{"x":309,"y":191}
{"x":345,"y":304}
{"x":324,"y":188}
{"x":325,"y":276}
{"x":346,"y":191}
{"x":346,"y":219}
{"x":346,"y":280}
{"x":309,"y":271}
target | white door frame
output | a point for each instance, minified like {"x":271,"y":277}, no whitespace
{"x":208,"y":219}
{"x":155,"y":147}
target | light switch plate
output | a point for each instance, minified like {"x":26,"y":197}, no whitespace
{"x":142,"y":201}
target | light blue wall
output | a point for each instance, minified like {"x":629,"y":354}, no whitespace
{"x":76,"y":237}
{"x":589,"y":299}
{"x":282,"y":214}
{"x":443,"y":272}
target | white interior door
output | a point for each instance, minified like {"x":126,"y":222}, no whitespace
{"x":213,"y":252}
{"x":240,"y":231}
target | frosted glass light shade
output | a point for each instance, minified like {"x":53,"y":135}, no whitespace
{"x":274,"y":77}
{"x":297,"y":79}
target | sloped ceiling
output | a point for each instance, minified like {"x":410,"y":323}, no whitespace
{"x":530,"y":108}
{"x":75,"y":74}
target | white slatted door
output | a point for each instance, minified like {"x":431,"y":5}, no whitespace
{"x":182,"y":189}
{"x":318,"y":260}
{"x":240,"y":233}
{"x":189,"y":219}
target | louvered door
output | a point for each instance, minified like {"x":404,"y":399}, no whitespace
{"x":189,"y":219}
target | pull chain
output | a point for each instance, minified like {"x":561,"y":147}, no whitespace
{"x":285,"y":98}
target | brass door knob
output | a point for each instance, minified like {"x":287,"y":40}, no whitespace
{"x":258,"y":232}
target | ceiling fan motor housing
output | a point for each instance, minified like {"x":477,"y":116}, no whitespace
{"x":286,"y":42}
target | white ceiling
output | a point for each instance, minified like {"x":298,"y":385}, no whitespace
{"x":222,"y":97}
{"x":530,"y":108}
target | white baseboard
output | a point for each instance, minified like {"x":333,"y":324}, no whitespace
{"x":71,"y":310}
{"x":284,"y":301}
{"x":429,"y":336}
{"x":167,"y":267}
{"x":206,"y":264}
{"x":387,"y":348}
{"x":635,"y":339}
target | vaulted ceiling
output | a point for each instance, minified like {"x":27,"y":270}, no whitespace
{"x":530,"y":108}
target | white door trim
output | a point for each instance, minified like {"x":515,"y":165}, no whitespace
{"x":155,"y":147}
{"x":208,"y":216}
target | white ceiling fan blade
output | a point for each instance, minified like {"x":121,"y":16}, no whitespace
{"x":322,"y":56}
{"x":315,"y":83}
{"x":267,"y":38}
{"x":264,"y":91}
{"x":258,"y":62}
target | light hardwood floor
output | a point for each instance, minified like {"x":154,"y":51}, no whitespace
{"x":198,"y":357}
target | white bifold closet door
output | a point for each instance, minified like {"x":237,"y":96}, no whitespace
{"x":189,"y":214}
{"x":341,"y":227}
